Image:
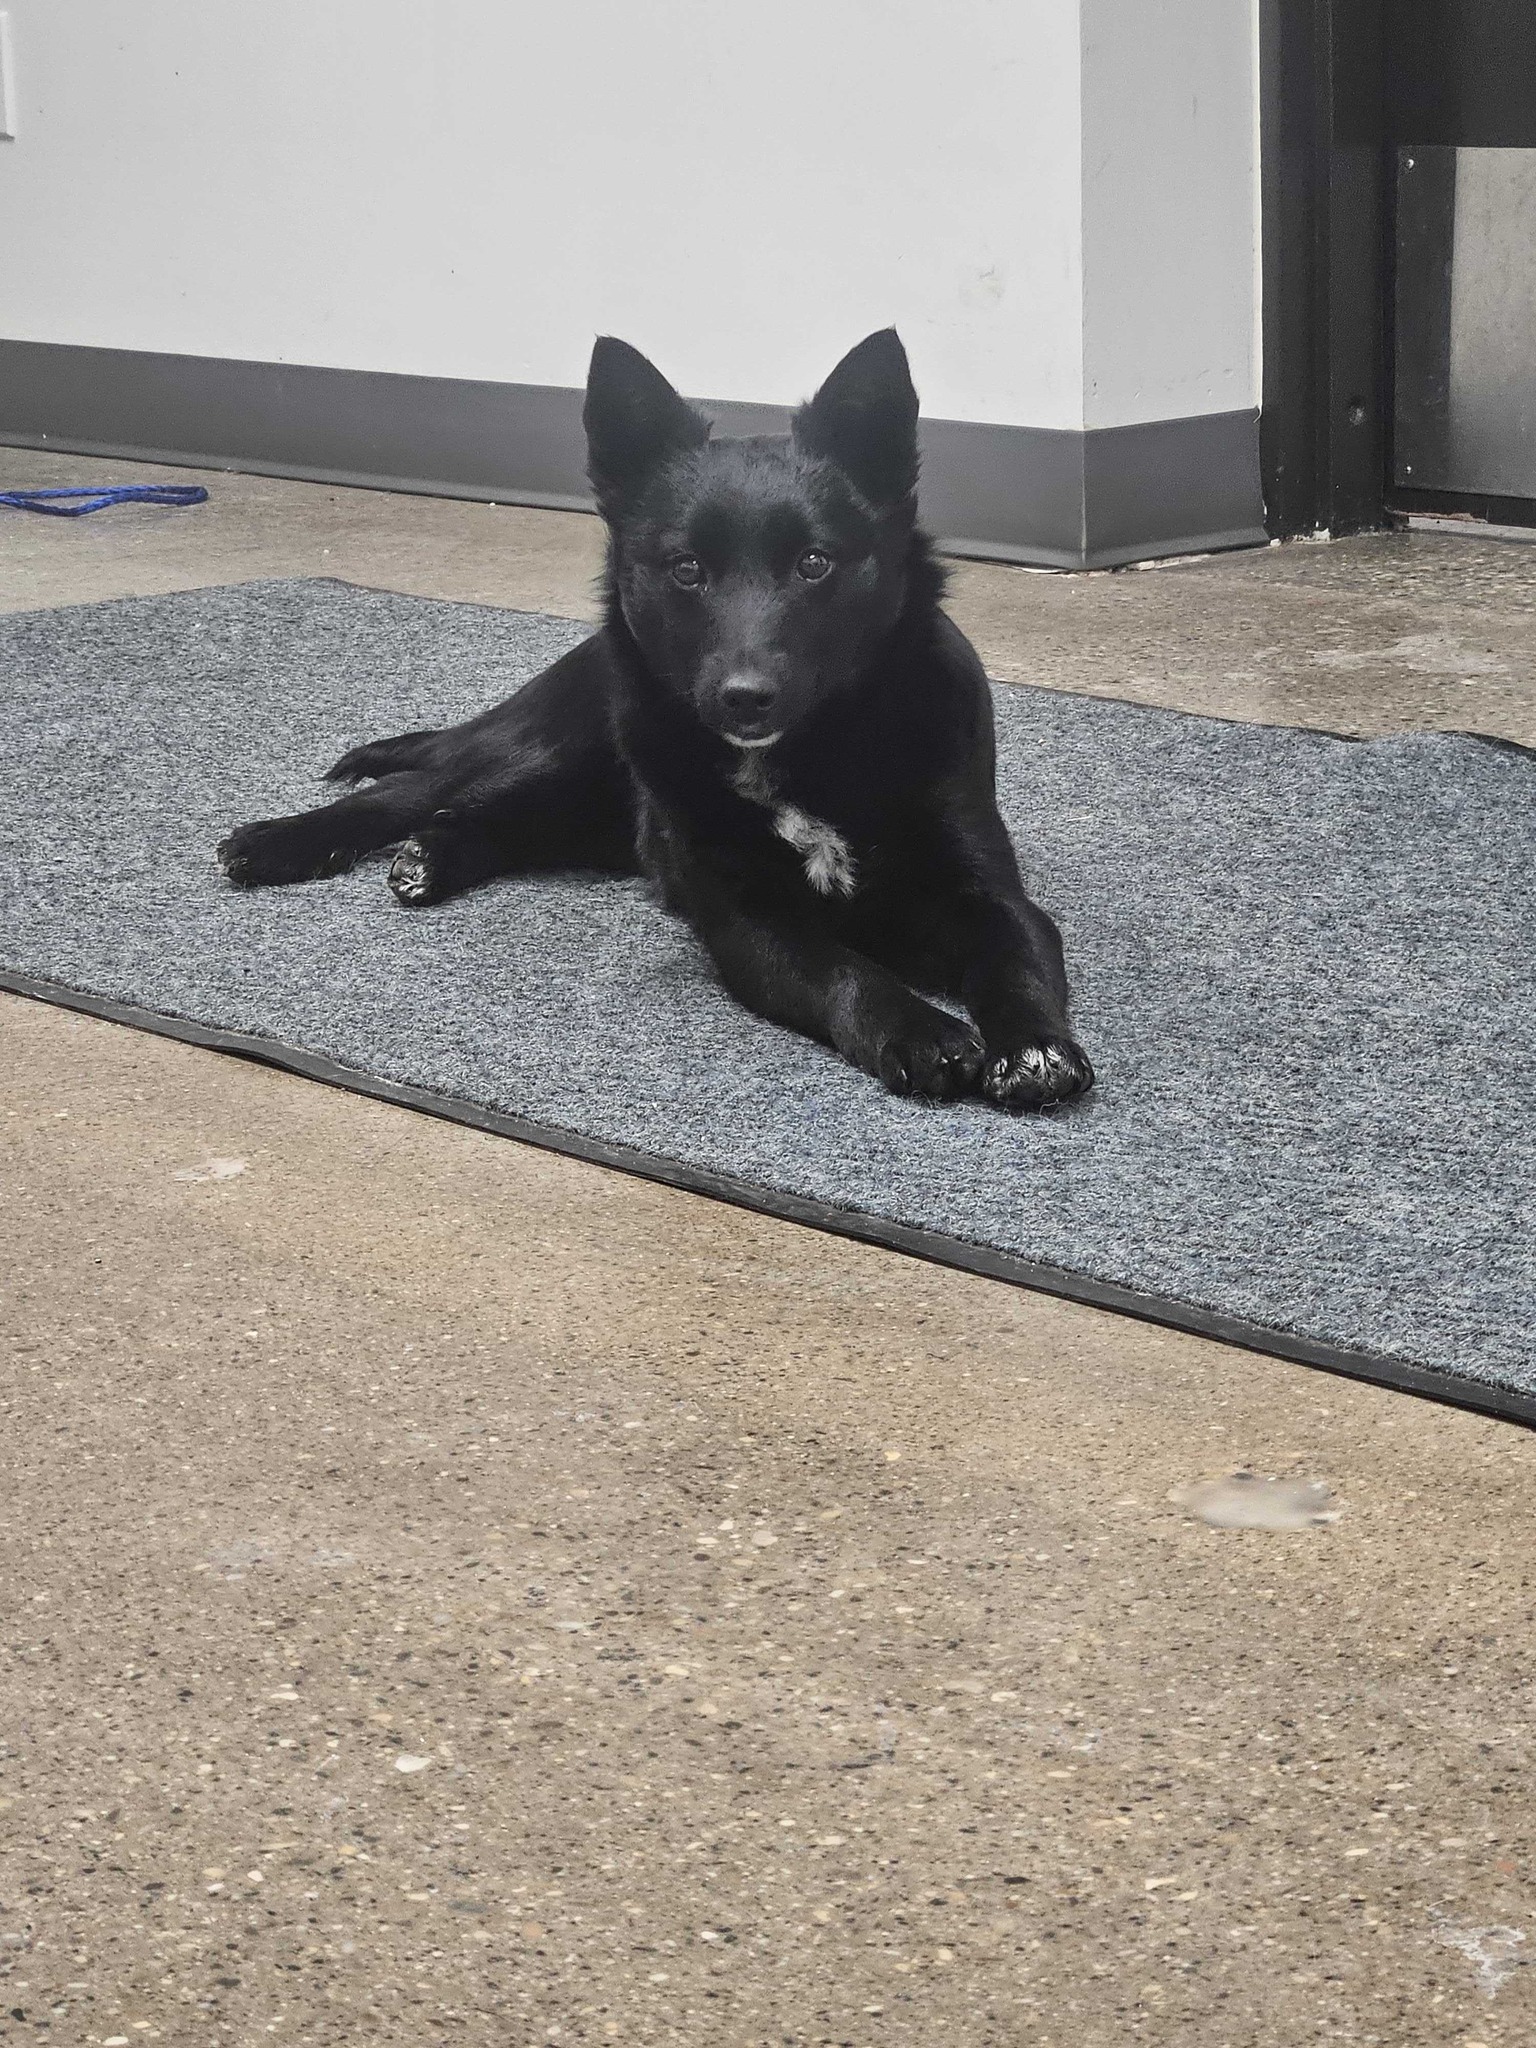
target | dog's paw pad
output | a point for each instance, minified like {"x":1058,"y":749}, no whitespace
{"x":1037,"y":1076}
{"x":231,"y":857}
{"x":412,"y":875}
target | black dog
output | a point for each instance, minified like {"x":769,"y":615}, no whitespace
{"x":777,"y":724}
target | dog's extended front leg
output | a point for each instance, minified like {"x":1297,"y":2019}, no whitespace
{"x":326,"y":841}
{"x":789,"y":971}
{"x":1014,"y":983}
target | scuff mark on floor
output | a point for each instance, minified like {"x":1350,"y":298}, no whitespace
{"x":1490,"y":1950}
{"x":1425,"y":654}
{"x":1246,"y":1500}
{"x":212,"y":1169}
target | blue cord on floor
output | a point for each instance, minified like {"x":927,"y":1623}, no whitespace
{"x":96,"y":498}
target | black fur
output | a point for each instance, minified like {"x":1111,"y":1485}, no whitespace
{"x":777,"y":723}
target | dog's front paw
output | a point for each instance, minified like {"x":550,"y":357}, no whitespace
{"x":1038,"y":1075}
{"x":930,"y":1054}
{"x":280,"y":850}
{"x":417,"y":873}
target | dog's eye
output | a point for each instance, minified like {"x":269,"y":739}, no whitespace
{"x":688,"y":570}
{"x":813,"y":565}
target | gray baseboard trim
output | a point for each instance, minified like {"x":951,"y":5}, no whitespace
{"x":1040,"y":496}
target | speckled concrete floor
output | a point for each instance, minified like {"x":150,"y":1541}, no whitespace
{"x":452,"y":1592}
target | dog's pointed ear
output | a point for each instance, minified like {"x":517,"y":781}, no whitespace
{"x":864,"y":418}
{"x":633,"y":417}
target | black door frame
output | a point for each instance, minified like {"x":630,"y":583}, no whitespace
{"x":1460,"y":73}
{"x":1336,"y":90}
{"x":1324,"y":428}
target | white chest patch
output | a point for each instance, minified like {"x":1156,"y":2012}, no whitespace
{"x":830,"y":867}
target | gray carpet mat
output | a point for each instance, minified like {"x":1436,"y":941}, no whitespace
{"x":1304,"y":969}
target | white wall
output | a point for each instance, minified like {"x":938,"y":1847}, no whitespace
{"x":1170,"y":209}
{"x":473,"y":188}
{"x":1053,"y":199}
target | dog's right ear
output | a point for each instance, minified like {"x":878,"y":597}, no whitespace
{"x":864,"y":418}
{"x":633,"y":417}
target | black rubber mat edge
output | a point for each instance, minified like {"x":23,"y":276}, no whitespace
{"x":1508,"y":1404}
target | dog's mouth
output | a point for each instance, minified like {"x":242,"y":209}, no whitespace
{"x":766,"y":739}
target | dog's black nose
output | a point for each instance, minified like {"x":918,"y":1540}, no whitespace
{"x":747,"y":697}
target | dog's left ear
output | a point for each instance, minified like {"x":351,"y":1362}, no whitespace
{"x":634,"y":418}
{"x":864,"y":418}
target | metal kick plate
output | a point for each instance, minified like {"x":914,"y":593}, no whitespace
{"x":1465,"y":372}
